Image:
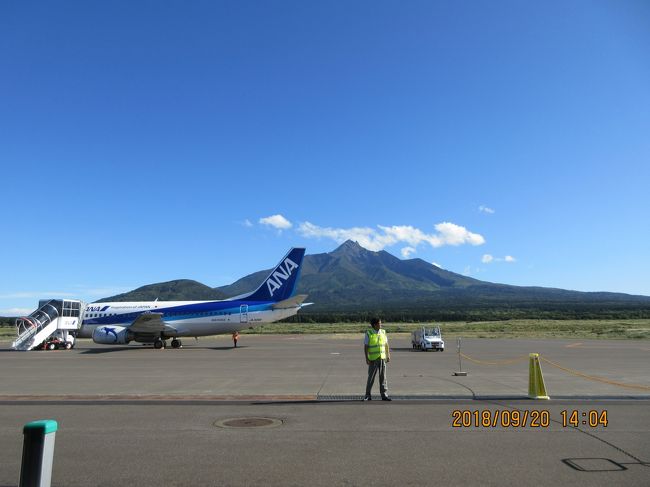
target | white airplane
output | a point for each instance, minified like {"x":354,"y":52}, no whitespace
{"x":155,"y":321}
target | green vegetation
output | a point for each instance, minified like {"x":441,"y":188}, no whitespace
{"x":472,"y":312}
{"x":7,"y":331}
{"x":610,"y":329}
{"x":7,"y":322}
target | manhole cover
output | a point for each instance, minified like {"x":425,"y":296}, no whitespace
{"x":248,"y":423}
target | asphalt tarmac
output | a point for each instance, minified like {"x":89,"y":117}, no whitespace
{"x":284,"y":410}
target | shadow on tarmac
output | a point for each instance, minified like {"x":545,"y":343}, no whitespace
{"x":95,"y":351}
{"x":408,"y":349}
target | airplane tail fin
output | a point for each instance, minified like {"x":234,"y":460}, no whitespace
{"x":281,"y":283}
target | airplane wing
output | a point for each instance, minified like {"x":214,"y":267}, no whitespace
{"x":292,"y":302}
{"x":148,"y":323}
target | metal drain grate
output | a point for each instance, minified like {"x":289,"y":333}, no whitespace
{"x":254,"y":422}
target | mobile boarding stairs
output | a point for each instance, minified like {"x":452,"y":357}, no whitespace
{"x":58,"y":318}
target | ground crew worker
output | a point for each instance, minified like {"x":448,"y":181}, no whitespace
{"x":377,"y":353}
{"x":235,"y":337}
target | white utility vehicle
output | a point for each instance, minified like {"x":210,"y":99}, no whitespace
{"x":428,"y":339}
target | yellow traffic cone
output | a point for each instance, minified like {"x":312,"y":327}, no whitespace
{"x":536,"y":386}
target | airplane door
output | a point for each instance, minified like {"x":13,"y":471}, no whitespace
{"x":243,"y":313}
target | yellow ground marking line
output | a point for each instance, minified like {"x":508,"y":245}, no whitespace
{"x":594,"y":378}
{"x":497,"y":362}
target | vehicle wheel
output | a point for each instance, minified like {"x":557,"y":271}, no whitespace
{"x":68,"y":345}
{"x":158,"y":344}
{"x":51,"y":346}
{"x":176,"y":343}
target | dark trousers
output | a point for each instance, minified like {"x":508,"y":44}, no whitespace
{"x":375,"y":366}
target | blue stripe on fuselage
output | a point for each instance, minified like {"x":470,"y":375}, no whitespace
{"x":183,"y":312}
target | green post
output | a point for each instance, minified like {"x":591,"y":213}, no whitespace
{"x":38,"y":453}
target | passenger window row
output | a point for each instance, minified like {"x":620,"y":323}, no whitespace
{"x":134,"y":315}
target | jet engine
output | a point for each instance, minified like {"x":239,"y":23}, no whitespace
{"x":110,"y":335}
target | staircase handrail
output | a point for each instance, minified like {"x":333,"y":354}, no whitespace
{"x":36,"y":324}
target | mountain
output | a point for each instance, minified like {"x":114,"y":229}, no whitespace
{"x":352,"y":281}
{"x":351,"y":274}
{"x":179,"y":290}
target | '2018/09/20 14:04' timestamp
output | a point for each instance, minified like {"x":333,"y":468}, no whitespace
{"x":535,"y":418}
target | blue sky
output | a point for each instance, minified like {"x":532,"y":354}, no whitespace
{"x":147,"y":141}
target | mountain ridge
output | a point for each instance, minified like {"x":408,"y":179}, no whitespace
{"x":352,"y":279}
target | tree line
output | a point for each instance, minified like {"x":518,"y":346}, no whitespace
{"x":465,"y":313}
{"x":7,"y":321}
{"x":468,"y":314}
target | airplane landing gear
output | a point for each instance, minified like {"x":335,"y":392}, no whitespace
{"x":159,"y":343}
{"x":176,"y":343}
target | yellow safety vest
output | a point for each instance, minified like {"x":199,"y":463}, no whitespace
{"x":376,"y":344}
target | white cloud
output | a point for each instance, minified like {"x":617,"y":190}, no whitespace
{"x":436,"y":264}
{"x":9,"y":312}
{"x":453,"y":234}
{"x":36,"y":295}
{"x":276,"y":221}
{"x":76,"y":291}
{"x":247,"y":223}
{"x":366,"y":237}
{"x":406,"y":251}
{"x":447,"y":234}
{"x":487,"y":259}
{"x":485,"y":209}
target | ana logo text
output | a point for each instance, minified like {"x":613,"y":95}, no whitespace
{"x":96,"y":308}
{"x":282,"y":273}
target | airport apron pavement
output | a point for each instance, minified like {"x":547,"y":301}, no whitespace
{"x":327,"y":366}
{"x":332,"y":443}
{"x":280,"y":410}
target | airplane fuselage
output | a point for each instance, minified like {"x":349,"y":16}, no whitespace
{"x":186,"y":318}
